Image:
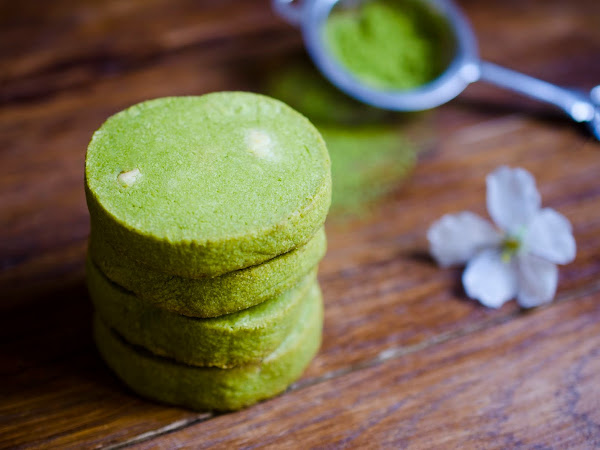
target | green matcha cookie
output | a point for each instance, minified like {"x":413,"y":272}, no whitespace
{"x":244,"y":337}
{"x":201,"y":186}
{"x":210,"y":388}
{"x":209,"y":297}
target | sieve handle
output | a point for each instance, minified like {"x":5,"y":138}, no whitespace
{"x":579,"y":106}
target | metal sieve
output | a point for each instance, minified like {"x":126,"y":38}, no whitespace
{"x":465,"y":67}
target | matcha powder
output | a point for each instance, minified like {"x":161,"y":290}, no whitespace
{"x":389,"y":44}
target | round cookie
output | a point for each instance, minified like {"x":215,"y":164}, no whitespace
{"x":210,"y":388}
{"x":202,"y":186}
{"x":209,"y":297}
{"x":241,"y":338}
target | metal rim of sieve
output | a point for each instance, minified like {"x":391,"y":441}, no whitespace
{"x":311,"y":15}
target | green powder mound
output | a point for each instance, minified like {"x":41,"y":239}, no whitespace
{"x":201,"y":186}
{"x":241,"y":338}
{"x":367,"y":163}
{"x":210,"y":388}
{"x":208,"y":297}
{"x":390,"y":44}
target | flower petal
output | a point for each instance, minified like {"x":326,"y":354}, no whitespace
{"x":549,"y":236}
{"x":512,"y":198}
{"x":489,"y":279}
{"x":537,"y":280}
{"x":455,"y":238}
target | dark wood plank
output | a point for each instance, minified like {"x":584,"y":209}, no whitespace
{"x":530,"y":382}
{"x":74,"y":43}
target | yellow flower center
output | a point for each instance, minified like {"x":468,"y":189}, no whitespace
{"x":510,"y":247}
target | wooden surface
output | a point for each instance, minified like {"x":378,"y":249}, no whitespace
{"x":407,"y":360}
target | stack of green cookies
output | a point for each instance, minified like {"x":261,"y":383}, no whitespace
{"x":207,"y":228}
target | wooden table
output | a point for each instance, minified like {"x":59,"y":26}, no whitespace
{"x":407,"y":360}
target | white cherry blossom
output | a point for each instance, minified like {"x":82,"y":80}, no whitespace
{"x":518,"y":257}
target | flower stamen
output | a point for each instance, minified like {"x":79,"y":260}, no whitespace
{"x":510,"y":247}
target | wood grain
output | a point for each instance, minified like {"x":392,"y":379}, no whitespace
{"x":407,"y":359}
{"x":527,"y":382}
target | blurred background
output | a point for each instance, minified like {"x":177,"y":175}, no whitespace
{"x":97,"y":57}
{"x":70,"y":64}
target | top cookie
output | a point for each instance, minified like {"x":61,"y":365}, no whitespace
{"x":201,"y":186}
